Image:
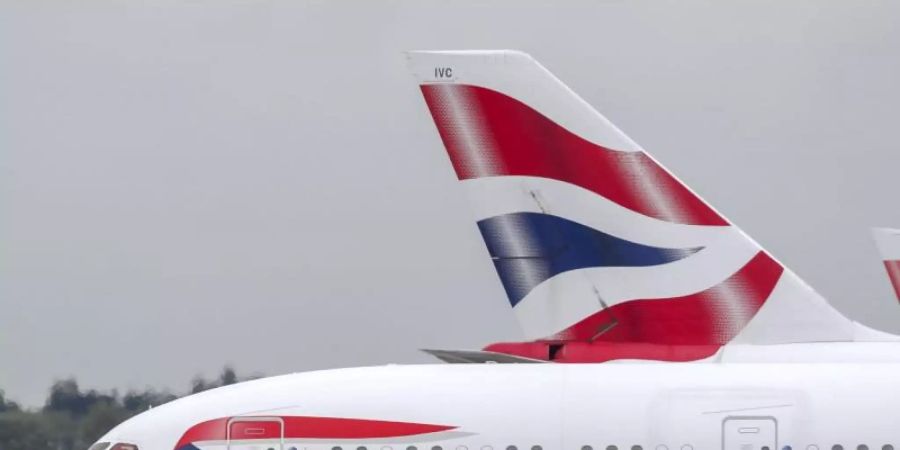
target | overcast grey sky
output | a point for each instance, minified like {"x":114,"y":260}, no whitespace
{"x":188,"y":184}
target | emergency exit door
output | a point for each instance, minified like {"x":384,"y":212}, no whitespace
{"x":255,"y":433}
{"x":750,"y":433}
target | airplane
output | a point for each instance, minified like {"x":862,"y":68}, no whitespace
{"x":597,"y":243}
{"x":888,"y":242}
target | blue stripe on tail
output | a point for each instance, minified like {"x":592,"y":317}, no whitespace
{"x":530,"y":248}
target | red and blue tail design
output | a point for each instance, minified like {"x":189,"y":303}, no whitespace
{"x":593,"y":240}
{"x":530,"y":248}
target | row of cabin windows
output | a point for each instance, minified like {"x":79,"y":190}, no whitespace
{"x":786,"y":447}
{"x":841,"y":447}
{"x":608,"y":447}
{"x":436,"y":447}
{"x":633,"y":447}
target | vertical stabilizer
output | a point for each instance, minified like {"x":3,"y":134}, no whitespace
{"x":592,"y":239}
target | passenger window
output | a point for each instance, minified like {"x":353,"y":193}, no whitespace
{"x":637,"y":447}
{"x":411,"y":447}
{"x":837,"y":447}
{"x":100,"y":446}
{"x":587,"y":447}
{"x":336,"y":448}
{"x":361,"y":447}
{"x":887,"y":447}
{"x":511,"y":447}
{"x":862,"y":447}
{"x":535,"y":447}
{"x":612,"y":447}
{"x":437,"y":447}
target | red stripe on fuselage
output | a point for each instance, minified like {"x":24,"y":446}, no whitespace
{"x":340,"y":428}
{"x":298,"y":427}
{"x":211,"y":430}
{"x":487,"y":133}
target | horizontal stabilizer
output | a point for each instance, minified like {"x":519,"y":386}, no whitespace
{"x":477,"y":357}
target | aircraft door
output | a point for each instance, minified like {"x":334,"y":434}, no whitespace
{"x":255,"y":433}
{"x":750,"y":433}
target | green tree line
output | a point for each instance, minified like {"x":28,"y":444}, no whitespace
{"x":72,"y":418}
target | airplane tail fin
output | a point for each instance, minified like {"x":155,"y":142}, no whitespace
{"x":593,"y":240}
{"x":888,"y":242}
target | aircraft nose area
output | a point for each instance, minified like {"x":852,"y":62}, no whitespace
{"x":133,"y":434}
{"x":149,"y":430}
{"x":162,"y":427}
{"x":189,"y":422}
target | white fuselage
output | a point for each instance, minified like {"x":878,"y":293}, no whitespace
{"x":735,"y":406}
